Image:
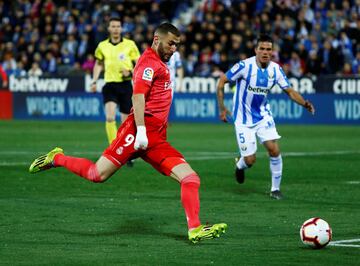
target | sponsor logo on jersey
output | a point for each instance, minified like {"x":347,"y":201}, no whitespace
{"x":148,"y":74}
{"x":258,"y":90}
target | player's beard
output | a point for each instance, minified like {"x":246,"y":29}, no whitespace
{"x":165,"y":57}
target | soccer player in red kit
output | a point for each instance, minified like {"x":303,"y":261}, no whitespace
{"x":143,"y":134}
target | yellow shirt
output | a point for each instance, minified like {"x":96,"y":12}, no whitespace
{"x":117,"y":57}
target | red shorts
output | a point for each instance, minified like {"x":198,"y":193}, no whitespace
{"x":122,"y":148}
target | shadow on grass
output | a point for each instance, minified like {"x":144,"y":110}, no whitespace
{"x":128,"y":227}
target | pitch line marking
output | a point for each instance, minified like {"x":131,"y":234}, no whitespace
{"x":345,"y":243}
{"x":191,"y":156}
{"x":199,"y":153}
{"x":353,"y":182}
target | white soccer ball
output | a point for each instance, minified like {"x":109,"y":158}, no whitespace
{"x":315,"y":232}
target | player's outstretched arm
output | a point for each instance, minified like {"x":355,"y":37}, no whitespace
{"x":141,"y":140}
{"x":220,"y":97}
{"x":296,"y":97}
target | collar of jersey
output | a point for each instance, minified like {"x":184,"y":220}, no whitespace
{"x":121,"y":39}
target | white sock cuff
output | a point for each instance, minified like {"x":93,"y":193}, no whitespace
{"x":241,"y":164}
{"x":276,"y":159}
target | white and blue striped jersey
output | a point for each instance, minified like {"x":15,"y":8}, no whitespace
{"x":173,"y":64}
{"x":253,"y":84}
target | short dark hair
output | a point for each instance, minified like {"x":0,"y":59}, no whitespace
{"x":264,"y":38}
{"x":165,"y":28}
{"x":114,"y":19}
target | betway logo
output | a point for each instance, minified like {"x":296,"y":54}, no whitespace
{"x":35,"y":84}
{"x":258,"y":90}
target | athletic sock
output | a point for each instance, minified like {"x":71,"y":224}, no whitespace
{"x":110,"y":130}
{"x":190,"y":199}
{"x":79,"y":166}
{"x":276,"y":166}
{"x":241,"y":164}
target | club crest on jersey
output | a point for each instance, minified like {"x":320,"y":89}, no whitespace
{"x":148,"y":74}
{"x":122,"y":57}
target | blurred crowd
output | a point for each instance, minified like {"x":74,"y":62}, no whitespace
{"x":311,"y":37}
{"x":39,"y":37}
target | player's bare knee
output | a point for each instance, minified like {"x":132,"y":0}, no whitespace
{"x":274,"y":153}
{"x":110,"y":119}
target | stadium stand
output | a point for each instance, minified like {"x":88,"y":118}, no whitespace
{"x":314,"y":37}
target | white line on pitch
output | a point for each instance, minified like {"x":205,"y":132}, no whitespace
{"x":353,"y":182}
{"x":344,"y":245}
{"x":200,"y":153}
{"x":345,"y":241}
{"x":191,"y":156}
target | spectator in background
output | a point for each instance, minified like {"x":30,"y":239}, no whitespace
{"x":331,"y":58}
{"x":346,"y":47}
{"x":19,"y":71}
{"x":9,"y":63}
{"x":297,"y":66}
{"x":67,"y":61}
{"x":88,"y":64}
{"x":35,"y":70}
{"x":4,"y":78}
{"x":75,"y":69}
{"x":356,"y":63}
{"x":49,"y":64}
{"x":154,"y":15}
{"x":70,"y":46}
{"x":346,"y":70}
{"x":189,"y":65}
{"x":313,"y":64}
{"x":83,"y":48}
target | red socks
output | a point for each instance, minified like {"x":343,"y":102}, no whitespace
{"x":80,"y":166}
{"x":190,"y":199}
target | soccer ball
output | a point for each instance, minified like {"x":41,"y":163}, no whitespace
{"x":315,"y":232}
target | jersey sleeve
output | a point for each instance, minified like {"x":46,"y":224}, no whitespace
{"x":236,"y":71}
{"x":282,"y":79}
{"x":134,"y":53}
{"x":178,"y":62}
{"x":98,"y":53}
{"x":143,"y":78}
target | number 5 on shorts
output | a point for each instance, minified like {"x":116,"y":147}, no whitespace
{"x":241,"y":138}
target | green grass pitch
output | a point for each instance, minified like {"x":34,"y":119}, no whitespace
{"x":136,"y":217}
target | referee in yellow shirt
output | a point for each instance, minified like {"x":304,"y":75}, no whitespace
{"x":117,"y":56}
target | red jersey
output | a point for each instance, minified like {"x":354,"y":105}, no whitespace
{"x":152,"y":78}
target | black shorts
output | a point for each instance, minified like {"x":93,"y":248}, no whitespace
{"x":119,"y":92}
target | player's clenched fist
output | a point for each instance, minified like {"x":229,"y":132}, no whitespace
{"x":141,"y":140}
